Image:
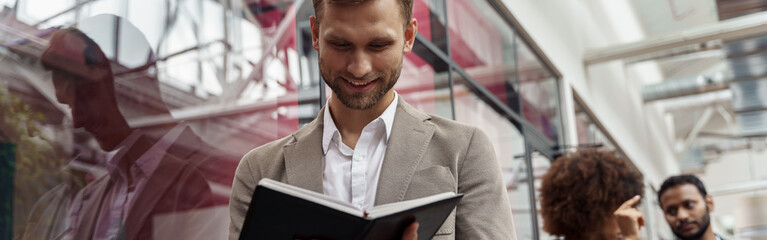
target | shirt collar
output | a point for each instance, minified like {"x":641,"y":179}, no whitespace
{"x":115,"y":156}
{"x":388,"y":115}
{"x":115,"y":164}
{"x":149,"y":160}
{"x":330,"y":130}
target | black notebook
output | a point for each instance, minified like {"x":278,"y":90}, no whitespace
{"x":281,"y":211}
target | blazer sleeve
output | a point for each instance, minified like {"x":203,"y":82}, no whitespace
{"x":245,"y":181}
{"x":484,"y":212}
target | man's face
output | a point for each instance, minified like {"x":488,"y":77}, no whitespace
{"x":360,"y":49}
{"x":88,"y":89}
{"x":92,"y":104}
{"x":686,"y":211}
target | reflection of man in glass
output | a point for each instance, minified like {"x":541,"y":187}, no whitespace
{"x":144,"y":181}
{"x":86,"y":86}
{"x":368,"y":147}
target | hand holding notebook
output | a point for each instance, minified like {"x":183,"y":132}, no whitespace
{"x":281,"y":211}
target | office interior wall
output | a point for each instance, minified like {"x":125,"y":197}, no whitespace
{"x":564,"y":30}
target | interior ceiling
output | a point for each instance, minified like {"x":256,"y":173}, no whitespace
{"x":686,"y":119}
{"x":731,"y":9}
{"x":664,"y":17}
{"x":674,"y":68}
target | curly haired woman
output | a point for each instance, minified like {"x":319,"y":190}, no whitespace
{"x":591,"y":194}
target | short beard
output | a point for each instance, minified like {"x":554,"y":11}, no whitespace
{"x":357,"y":100}
{"x":706,"y":221}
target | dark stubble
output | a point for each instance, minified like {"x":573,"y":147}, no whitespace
{"x":705,"y":222}
{"x":360,"y":100}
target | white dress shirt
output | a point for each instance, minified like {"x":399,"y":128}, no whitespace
{"x":351,"y":175}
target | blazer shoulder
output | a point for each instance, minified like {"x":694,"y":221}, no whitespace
{"x":275,"y":148}
{"x":268,"y":151}
{"x":452,"y":127}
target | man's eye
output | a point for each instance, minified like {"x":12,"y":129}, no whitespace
{"x":671,"y":212}
{"x":378,"y":46}
{"x":340,"y":45}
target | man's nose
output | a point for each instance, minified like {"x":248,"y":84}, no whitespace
{"x":683,"y":215}
{"x":359,"y":64}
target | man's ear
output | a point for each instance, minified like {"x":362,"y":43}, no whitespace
{"x":410,"y":33}
{"x":315,"y":25}
{"x":710,"y":202}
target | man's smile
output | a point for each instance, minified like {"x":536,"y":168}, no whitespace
{"x":359,"y":85}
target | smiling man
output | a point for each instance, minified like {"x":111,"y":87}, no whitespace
{"x":368,"y":146}
{"x":686,"y":205}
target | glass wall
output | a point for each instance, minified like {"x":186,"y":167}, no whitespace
{"x":509,"y":146}
{"x":592,"y":135}
{"x":185,"y":88}
{"x":539,"y":91}
{"x":488,"y":50}
{"x":589,"y":133}
{"x":181,"y":89}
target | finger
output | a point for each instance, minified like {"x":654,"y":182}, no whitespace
{"x":641,"y":221}
{"x":630,"y":203}
{"x":411,"y":233}
{"x":631,"y":213}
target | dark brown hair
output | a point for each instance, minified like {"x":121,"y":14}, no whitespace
{"x":59,"y":56}
{"x":680,"y":180}
{"x":582,"y":190}
{"x":406,"y":7}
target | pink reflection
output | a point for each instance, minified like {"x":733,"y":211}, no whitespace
{"x":146,"y":175}
{"x":170,"y":178}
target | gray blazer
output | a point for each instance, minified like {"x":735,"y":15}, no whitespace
{"x":425,"y":155}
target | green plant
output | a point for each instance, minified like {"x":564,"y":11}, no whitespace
{"x":36,"y":169}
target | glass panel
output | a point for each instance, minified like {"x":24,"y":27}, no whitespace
{"x":36,"y":11}
{"x":589,"y":134}
{"x":7,"y":3}
{"x":424,"y":82}
{"x":540,"y":165}
{"x":309,"y":81}
{"x":483,"y":45}
{"x":431,"y":21}
{"x":509,"y":145}
{"x":202,"y":83}
{"x":539,"y":94}
{"x":145,"y":15}
{"x":191,"y":86}
{"x":101,"y":7}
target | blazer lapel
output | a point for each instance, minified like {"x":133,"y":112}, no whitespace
{"x":410,"y":135}
{"x":303,"y":158}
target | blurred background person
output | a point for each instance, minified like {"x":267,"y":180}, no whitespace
{"x":687,"y":206}
{"x":581,"y":195}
